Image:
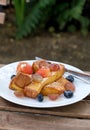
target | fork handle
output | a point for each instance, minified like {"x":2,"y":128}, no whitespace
{"x":78,"y":73}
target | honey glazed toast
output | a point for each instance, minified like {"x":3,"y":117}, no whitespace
{"x":31,"y":88}
{"x":58,"y":87}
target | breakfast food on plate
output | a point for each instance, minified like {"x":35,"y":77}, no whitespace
{"x":19,"y":81}
{"x":53,"y":88}
{"x":58,"y":87}
{"x":42,"y":77}
{"x":67,"y":84}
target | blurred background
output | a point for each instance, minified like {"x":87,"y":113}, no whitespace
{"x":58,"y":30}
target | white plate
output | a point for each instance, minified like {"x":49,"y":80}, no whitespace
{"x":82,"y":90}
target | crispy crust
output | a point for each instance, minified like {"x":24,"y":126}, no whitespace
{"x":58,"y":87}
{"x":30,"y":88}
{"x":53,"y":88}
{"x":67,"y":84}
{"x":20,"y":81}
{"x":33,"y":89}
{"x":37,"y":64}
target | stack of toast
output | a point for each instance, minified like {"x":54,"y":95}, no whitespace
{"x":54,"y":83}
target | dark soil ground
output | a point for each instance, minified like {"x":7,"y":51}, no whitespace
{"x":73,"y":49}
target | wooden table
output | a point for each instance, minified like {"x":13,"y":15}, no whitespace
{"x":72,"y":117}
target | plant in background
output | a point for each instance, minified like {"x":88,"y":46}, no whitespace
{"x":20,"y":11}
{"x":35,"y":16}
{"x":71,"y":13}
{"x":56,"y":14}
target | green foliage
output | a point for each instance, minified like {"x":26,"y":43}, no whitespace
{"x":73,"y":11}
{"x":20,"y":11}
{"x":38,"y":14}
{"x":50,"y":14}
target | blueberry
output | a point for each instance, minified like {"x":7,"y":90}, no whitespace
{"x":12,"y":76}
{"x":68,"y":93}
{"x":40,"y":97}
{"x":70,"y":78}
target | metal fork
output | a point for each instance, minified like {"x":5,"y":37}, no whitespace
{"x":85,"y":77}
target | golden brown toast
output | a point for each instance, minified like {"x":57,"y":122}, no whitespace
{"x":39,"y":63}
{"x":67,"y":84}
{"x":53,"y":88}
{"x":33,"y":89}
{"x":20,"y":81}
{"x":13,"y":86}
{"x":58,"y":87}
{"x":24,"y":83}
